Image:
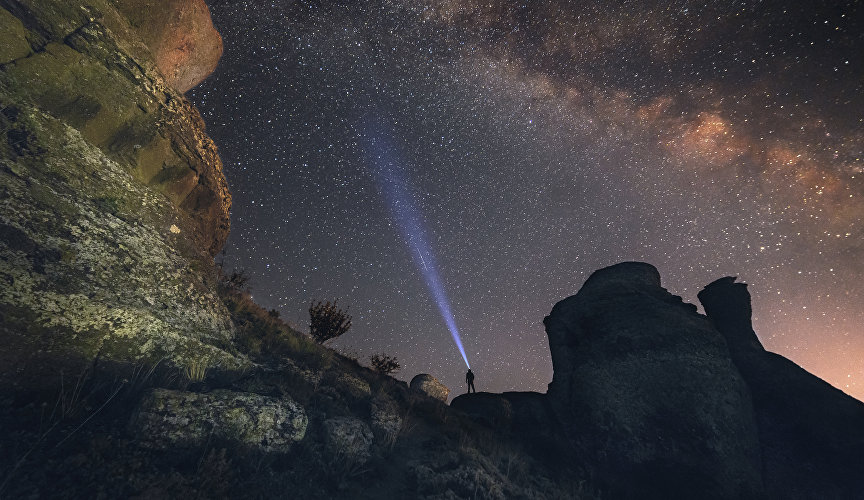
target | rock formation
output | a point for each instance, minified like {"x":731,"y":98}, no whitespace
{"x":114,"y":201}
{"x":430,"y":386}
{"x":811,"y":434}
{"x":645,"y":384}
{"x":168,"y":419}
{"x":658,"y":401}
{"x":113,"y":206}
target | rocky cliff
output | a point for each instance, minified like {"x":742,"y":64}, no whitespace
{"x":113,"y":196}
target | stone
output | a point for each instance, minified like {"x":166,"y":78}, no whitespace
{"x":645,"y":385}
{"x":349,"y":437}
{"x":168,"y":418}
{"x":353,"y":387}
{"x":14,"y":36}
{"x":385,"y":414}
{"x":429,"y":385}
{"x":493,"y":410}
{"x":95,"y":75}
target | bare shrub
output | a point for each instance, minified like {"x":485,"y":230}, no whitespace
{"x":384,"y":364}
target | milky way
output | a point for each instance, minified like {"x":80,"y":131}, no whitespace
{"x":542,"y":141}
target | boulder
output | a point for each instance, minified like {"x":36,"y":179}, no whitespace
{"x":645,"y":388}
{"x":168,"y":418}
{"x":490,"y":409}
{"x":430,"y":386}
{"x":353,"y":387}
{"x":386,"y":417}
{"x":349,"y":437}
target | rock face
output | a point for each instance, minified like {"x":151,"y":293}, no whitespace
{"x":348,"y":436}
{"x":430,"y":386}
{"x":113,"y":197}
{"x":86,"y":66}
{"x":811,"y":434}
{"x":646,"y":385}
{"x":168,"y":418}
{"x":181,"y":36}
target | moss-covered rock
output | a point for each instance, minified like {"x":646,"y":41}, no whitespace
{"x":93,"y":72}
{"x":348,"y":437}
{"x":169,"y":418}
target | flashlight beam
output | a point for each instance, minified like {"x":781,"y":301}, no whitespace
{"x":385,"y":164}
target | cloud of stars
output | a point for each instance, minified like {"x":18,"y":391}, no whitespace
{"x":545,"y":140}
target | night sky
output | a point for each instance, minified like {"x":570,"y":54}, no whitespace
{"x":532,"y":143}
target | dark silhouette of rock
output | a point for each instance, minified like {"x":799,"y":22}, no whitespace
{"x":645,"y":389}
{"x":811,"y":434}
{"x":658,"y":401}
{"x":430,"y":386}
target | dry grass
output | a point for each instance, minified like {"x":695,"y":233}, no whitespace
{"x":263,"y":334}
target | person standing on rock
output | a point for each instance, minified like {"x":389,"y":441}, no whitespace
{"x":469,"y":379}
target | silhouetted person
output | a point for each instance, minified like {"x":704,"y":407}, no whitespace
{"x":469,"y":379}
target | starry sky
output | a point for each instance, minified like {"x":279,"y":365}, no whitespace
{"x":538,"y":142}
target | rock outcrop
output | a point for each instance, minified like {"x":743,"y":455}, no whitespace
{"x":114,"y":201}
{"x":168,"y":419}
{"x":811,"y":434}
{"x":659,"y":401}
{"x":349,"y":437}
{"x":180,"y":35}
{"x":86,"y":66}
{"x":646,"y":385}
{"x":431,"y":386}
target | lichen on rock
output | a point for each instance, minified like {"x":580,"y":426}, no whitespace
{"x":349,"y":437}
{"x":168,"y":418}
{"x":89,"y":257}
{"x":113,"y":202}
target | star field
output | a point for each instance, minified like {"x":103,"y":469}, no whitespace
{"x":541,"y":141}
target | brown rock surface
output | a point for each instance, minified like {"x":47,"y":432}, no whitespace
{"x":91,"y":71}
{"x":181,"y":36}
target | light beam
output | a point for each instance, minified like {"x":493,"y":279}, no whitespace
{"x":386,"y":166}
